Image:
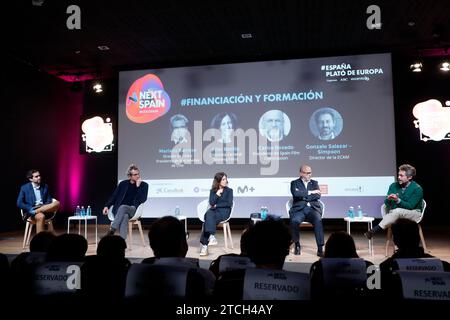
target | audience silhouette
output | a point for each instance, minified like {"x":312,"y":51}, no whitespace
{"x":340,"y":284}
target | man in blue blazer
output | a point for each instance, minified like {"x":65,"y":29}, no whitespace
{"x":306,"y":207}
{"x":127,"y":196}
{"x":35,"y":200}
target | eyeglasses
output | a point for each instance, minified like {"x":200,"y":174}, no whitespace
{"x":306,"y":172}
{"x":135,"y":174}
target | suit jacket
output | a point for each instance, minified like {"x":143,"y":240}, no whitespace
{"x":119,"y":194}
{"x":223,"y":203}
{"x":27,"y":199}
{"x":301,"y":198}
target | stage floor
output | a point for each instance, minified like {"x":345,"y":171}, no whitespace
{"x":437,"y":240}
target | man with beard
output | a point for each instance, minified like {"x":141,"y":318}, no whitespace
{"x":273,"y":125}
{"x":404,"y":200}
{"x":36,"y":202}
{"x":325,"y":124}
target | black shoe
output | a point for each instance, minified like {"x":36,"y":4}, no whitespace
{"x":320,"y":251}
{"x":297,"y":249}
{"x":368,"y":234}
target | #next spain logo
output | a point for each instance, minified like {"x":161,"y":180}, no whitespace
{"x":147,"y":100}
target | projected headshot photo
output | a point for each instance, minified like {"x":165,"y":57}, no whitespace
{"x":180,"y":132}
{"x":326,"y":123}
{"x":225,"y":122}
{"x":274,"y":125}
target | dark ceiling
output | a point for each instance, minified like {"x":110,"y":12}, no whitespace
{"x":168,"y":33}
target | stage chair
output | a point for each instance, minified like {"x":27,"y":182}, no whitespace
{"x":202,"y":207}
{"x":389,"y":239}
{"x":135,"y":220}
{"x":30,"y":222}
{"x":305,"y":223}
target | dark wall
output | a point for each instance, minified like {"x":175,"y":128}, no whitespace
{"x":431,"y":158}
{"x":35,"y":105}
{"x":101,"y":168}
{"x":41,"y":130}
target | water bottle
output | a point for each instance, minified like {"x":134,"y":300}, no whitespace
{"x":177,"y":211}
{"x":77,"y":211}
{"x":263,"y":213}
{"x":89,"y":211}
{"x":360,"y":213}
{"x":83,"y":212}
{"x":351,"y":212}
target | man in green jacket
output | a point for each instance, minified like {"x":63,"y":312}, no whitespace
{"x":404,"y":200}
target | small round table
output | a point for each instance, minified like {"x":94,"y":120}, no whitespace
{"x":367,"y":220}
{"x":85,"y":219}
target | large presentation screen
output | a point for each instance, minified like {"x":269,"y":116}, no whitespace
{"x":258,"y":122}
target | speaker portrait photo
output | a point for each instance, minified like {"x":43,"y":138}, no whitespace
{"x":226,"y":123}
{"x":274,"y":125}
{"x":326,"y":123}
{"x":179,"y":127}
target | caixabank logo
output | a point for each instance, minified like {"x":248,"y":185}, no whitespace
{"x":147,"y":100}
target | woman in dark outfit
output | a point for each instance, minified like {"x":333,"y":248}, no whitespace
{"x":221,"y":201}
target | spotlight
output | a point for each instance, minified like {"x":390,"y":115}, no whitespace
{"x":97,"y":87}
{"x":416,"y":67}
{"x":445,"y":66}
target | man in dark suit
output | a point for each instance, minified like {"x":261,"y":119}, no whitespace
{"x":126,"y":198}
{"x":35,"y":200}
{"x":306,"y":207}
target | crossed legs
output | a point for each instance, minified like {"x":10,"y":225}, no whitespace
{"x":44,"y":212}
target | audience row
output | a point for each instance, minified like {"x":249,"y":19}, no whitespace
{"x":58,"y":265}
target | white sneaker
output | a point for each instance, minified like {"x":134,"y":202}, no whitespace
{"x":212,"y":240}
{"x":204,"y":251}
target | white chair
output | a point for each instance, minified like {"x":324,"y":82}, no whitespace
{"x":135,"y":220}
{"x":304,"y":223}
{"x":389,"y":230}
{"x":30,"y":222}
{"x":202,"y":207}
